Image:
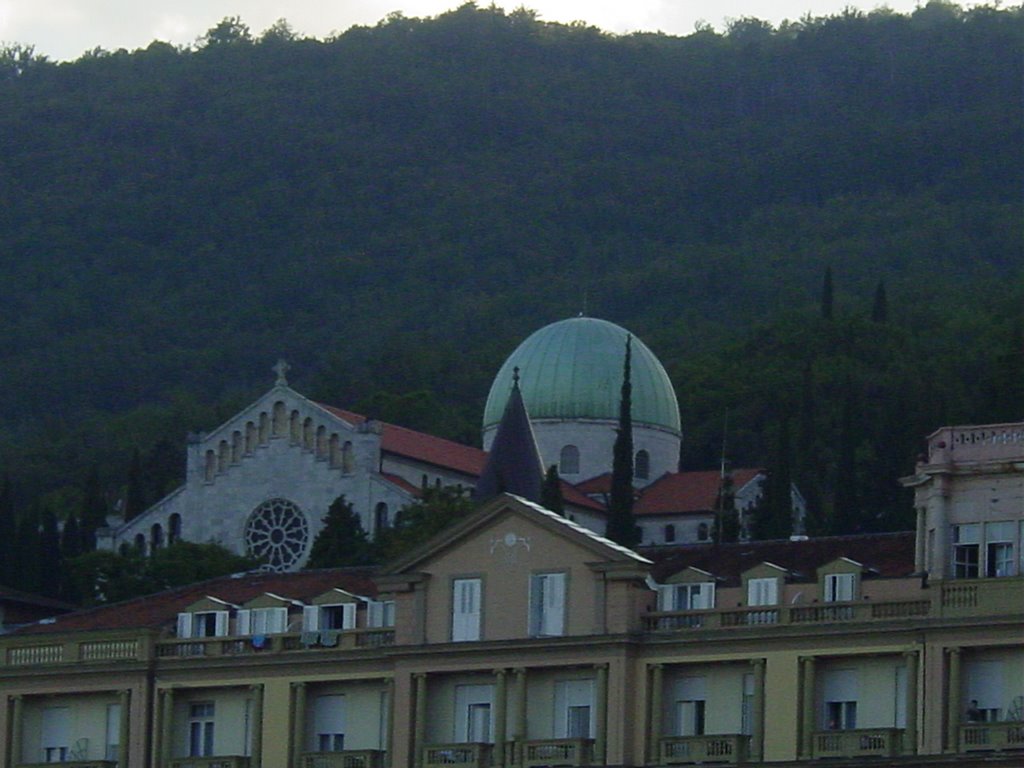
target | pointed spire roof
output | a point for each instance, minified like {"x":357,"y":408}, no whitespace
{"x":514,"y":464}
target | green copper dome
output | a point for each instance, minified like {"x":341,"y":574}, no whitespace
{"x":572,"y":369}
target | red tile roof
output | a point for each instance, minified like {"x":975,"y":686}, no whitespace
{"x":421,"y":446}
{"x":886,"y":554}
{"x":161,"y":609}
{"x":601,"y":484}
{"x":8,"y":595}
{"x":413,"y":490}
{"x":572,"y":495}
{"x":687,"y":492}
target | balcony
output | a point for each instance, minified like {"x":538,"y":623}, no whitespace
{"x":349,"y":758}
{"x":72,"y":651}
{"x":72,"y":764}
{"x":558,"y":752}
{"x":859,"y":742}
{"x":228,"y":761}
{"x":348,"y":639}
{"x":989,"y":442}
{"x":475,"y":755}
{"x":986,"y":737}
{"x":730,"y":748}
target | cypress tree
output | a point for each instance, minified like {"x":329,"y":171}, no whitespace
{"x":880,"y":307}
{"x":342,"y":540}
{"x":135,"y":495}
{"x":28,"y":555}
{"x":826,"y":295}
{"x":846,"y":505}
{"x":622,"y":526}
{"x":773,"y":516}
{"x":49,"y":554}
{"x":8,"y":531}
{"x":93,"y":514}
{"x":551,"y":491}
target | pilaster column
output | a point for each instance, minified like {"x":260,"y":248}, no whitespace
{"x":124,"y":699}
{"x":387,"y":738}
{"x":519,"y":730}
{"x":601,"y":715}
{"x":498,"y":755}
{"x":17,"y":728}
{"x":807,"y":718}
{"x":910,"y":735}
{"x":166,"y":729}
{"x":298,"y":729}
{"x":953,"y":702}
{"x":654,"y":717}
{"x":257,"y":725}
{"x":420,"y":719}
{"x":757,"y":712}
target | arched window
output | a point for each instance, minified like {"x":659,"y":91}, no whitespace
{"x":295,"y":428}
{"x":264,"y":428}
{"x":250,"y":437}
{"x":223,"y":456}
{"x":210,"y":469}
{"x":174,"y":528}
{"x":380,"y":517}
{"x":670,"y":533}
{"x":702,"y":532}
{"x":642,"y":465}
{"x":307,"y":434}
{"x":321,"y":442}
{"x":569,"y":460}
{"x":334,"y":449}
{"x":236,"y":447}
{"x":280,"y":416}
{"x":348,"y":461}
{"x":156,"y":537}
{"x":140,"y":543}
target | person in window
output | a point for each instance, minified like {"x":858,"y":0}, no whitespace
{"x":975,"y":715}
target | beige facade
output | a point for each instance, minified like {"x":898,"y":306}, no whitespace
{"x":519,"y":638}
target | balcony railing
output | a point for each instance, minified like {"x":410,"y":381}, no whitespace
{"x":349,"y":758}
{"x":983,"y":737}
{"x":34,"y":653}
{"x":192,"y":647}
{"x":991,"y":442}
{"x":228,"y":761}
{"x":558,"y":752}
{"x":730,"y":748}
{"x":475,"y":755}
{"x":859,"y":742}
{"x":72,"y":764}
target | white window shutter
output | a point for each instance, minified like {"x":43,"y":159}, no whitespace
{"x":244,"y":622}
{"x":375,"y":614}
{"x":348,"y":616}
{"x":554,"y":604}
{"x":220,"y":625}
{"x":666,"y":598}
{"x":311,"y":618}
{"x":278,"y":620}
{"x":466,"y":609}
{"x":184,"y":625}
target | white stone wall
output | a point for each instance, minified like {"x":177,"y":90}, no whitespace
{"x":652,"y":530}
{"x":595,"y":440}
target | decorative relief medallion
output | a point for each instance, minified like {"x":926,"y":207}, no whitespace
{"x":510,"y":547}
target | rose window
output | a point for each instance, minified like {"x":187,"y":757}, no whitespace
{"x":277,"y":534}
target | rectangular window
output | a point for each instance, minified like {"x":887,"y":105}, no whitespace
{"x":113,"y":733}
{"x":473,"y":713}
{"x":986,"y":682}
{"x":466,"y":594}
{"x":380,"y":614}
{"x":574,"y":702}
{"x":966,"y":551}
{"x":691,"y":699}
{"x":329,"y":723}
{"x":839,"y":587}
{"x":999,"y":550}
{"x":56,"y":737}
{"x":747,"y":705}
{"x":687,"y":597}
{"x":547,"y":604}
{"x":317,"y":617}
{"x":763,"y":592}
{"x":839,"y":697}
{"x":200,"y":729}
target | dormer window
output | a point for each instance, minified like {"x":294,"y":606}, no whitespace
{"x":318,"y":617}
{"x":380,"y":614}
{"x":686,"y":597}
{"x":203,"y":623}
{"x":840,"y":587}
{"x":262,"y":621}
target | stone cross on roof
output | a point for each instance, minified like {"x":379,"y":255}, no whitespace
{"x":281,"y":368}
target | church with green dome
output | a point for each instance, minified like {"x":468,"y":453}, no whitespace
{"x":570,"y":375}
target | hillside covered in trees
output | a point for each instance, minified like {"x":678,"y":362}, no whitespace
{"x":394,"y":209}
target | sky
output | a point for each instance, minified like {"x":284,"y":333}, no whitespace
{"x":64,"y":29}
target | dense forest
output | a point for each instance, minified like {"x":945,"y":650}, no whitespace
{"x":817,"y":227}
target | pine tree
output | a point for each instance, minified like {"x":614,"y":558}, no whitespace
{"x":773,"y":515}
{"x":28,"y":557}
{"x":826,"y":295}
{"x":880,"y":307}
{"x":551,"y":491}
{"x":342,"y":541}
{"x":135,"y":495}
{"x":845,"y":517}
{"x":622,"y":526}
{"x":8,"y":531}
